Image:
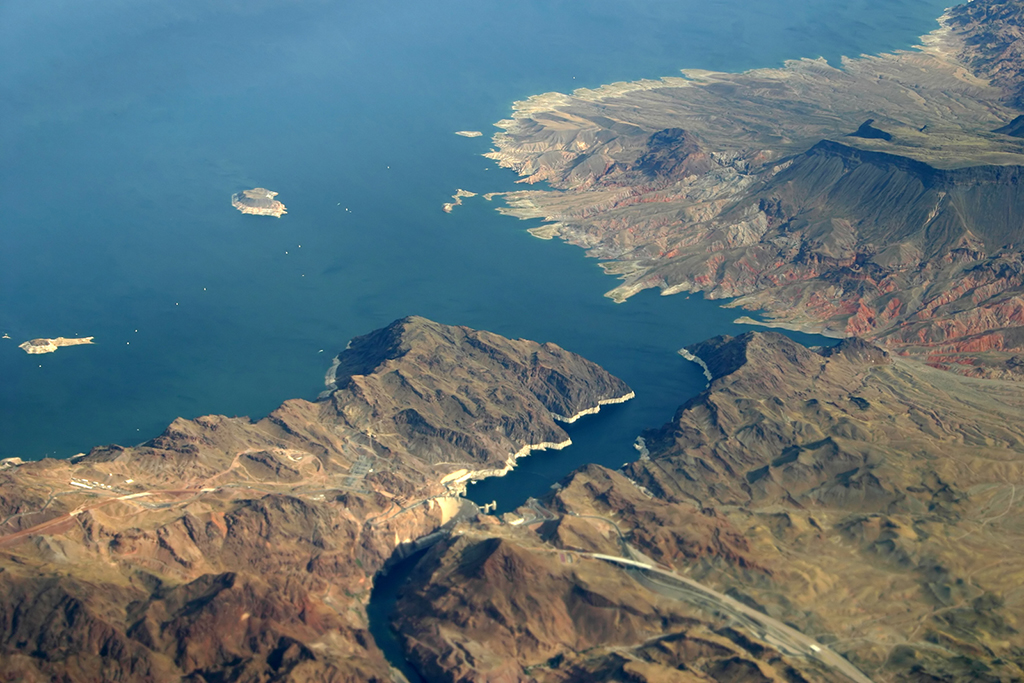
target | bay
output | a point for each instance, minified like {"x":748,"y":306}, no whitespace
{"x":126,"y":126}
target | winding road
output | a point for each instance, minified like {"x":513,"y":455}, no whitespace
{"x":666,"y":582}
{"x":772,"y":631}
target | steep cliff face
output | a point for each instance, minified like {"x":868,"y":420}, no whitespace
{"x":880,"y":200}
{"x":867,"y":243}
{"x":891,"y":200}
{"x":227,"y":549}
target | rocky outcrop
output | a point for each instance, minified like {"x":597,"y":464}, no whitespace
{"x":227,"y":549}
{"x":873,"y":200}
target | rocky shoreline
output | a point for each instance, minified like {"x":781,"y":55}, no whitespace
{"x":239,"y":548}
{"x":596,"y":409}
{"x":798,"y":494}
{"x":757,"y":187}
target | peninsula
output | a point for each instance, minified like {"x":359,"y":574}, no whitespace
{"x":258,"y":201}
{"x":819,"y":515}
{"x":51,"y":345}
{"x":228,"y":549}
{"x":881,"y":199}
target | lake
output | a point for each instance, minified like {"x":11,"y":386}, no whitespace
{"x":127,"y":125}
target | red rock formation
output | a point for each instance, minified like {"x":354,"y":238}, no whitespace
{"x":769,"y":188}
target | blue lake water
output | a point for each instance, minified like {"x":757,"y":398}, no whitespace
{"x":125,"y":126}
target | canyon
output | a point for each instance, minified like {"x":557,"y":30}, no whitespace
{"x":866,"y":501}
{"x":815,"y":514}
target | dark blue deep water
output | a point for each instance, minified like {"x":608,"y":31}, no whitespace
{"x":125,"y":126}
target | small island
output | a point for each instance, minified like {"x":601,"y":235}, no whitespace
{"x":258,"y":201}
{"x":457,"y":197}
{"x":51,"y":345}
{"x":469,"y":133}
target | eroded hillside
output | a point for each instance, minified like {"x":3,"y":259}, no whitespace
{"x":880,"y":199}
{"x":838,"y":499}
{"x":227,"y":549}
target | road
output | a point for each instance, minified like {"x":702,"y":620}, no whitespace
{"x":772,"y":631}
{"x":54,"y":525}
{"x":642,"y":568}
{"x":666,"y":582}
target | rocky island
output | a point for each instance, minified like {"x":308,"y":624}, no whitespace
{"x":258,"y":201}
{"x":50,"y":345}
{"x":882,"y":199}
{"x":232,"y":549}
{"x":457,"y":198}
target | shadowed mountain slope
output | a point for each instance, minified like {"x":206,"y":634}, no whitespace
{"x":227,"y":549}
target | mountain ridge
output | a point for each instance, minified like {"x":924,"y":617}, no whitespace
{"x":755,"y":187}
{"x":233,"y":549}
{"x":864,"y":500}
